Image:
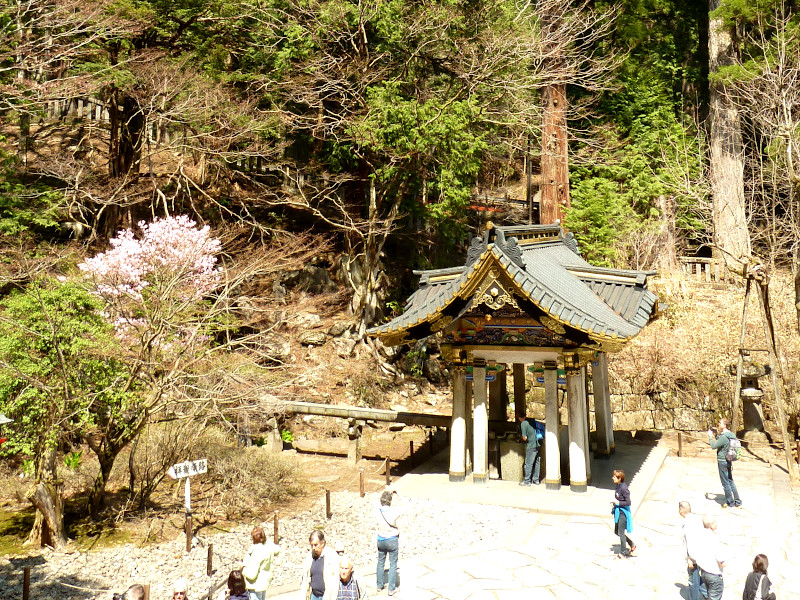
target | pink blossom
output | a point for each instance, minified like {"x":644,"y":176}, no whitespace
{"x":171,"y":259}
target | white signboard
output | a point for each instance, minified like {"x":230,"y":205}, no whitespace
{"x":188,"y":468}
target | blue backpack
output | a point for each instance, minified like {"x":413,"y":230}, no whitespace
{"x":539,"y":427}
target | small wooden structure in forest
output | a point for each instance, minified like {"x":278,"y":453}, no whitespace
{"x":526,"y":297}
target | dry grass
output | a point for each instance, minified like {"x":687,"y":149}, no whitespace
{"x":689,"y":349}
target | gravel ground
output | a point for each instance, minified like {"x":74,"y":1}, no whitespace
{"x":428,"y":528}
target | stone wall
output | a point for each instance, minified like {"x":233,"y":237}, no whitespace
{"x":659,"y":411}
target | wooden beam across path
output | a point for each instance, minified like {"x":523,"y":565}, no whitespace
{"x":366,"y":414}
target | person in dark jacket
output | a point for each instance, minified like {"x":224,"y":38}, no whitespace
{"x":720,"y":443}
{"x":758,"y":580}
{"x":530,"y":470}
{"x":237,"y":587}
{"x":621,"y":509}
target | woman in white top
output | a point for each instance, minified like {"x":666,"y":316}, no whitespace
{"x":386,"y":516}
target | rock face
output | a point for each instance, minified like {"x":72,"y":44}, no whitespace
{"x":311,"y":278}
{"x":312,"y":338}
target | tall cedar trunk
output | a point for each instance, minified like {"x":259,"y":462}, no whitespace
{"x":555,"y":163}
{"x":667,"y":258}
{"x":727,"y":158}
{"x":48,"y":525}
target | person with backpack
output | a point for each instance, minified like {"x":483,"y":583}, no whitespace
{"x":528,"y":433}
{"x":722,"y":444}
{"x":757,"y":585}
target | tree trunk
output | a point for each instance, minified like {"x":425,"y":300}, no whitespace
{"x":46,"y":497}
{"x":727,"y":158}
{"x":48,"y":525}
{"x":666,"y":259}
{"x":555,"y":161}
{"x":97,"y":496}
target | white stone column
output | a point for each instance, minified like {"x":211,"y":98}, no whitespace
{"x":586,"y":422}
{"x":576,"y":414}
{"x":468,"y":454}
{"x":458,"y":427}
{"x":552,"y":452}
{"x":520,"y":408}
{"x":604,"y":422}
{"x":480,"y":425}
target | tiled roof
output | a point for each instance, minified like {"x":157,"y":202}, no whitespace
{"x":545,"y":265}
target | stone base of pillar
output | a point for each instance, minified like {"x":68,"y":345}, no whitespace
{"x":603,"y":455}
{"x":552,"y":485}
{"x":480,"y":478}
{"x":579,"y":487}
{"x":455,"y":477}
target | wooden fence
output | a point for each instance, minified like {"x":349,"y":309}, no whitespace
{"x":709,"y":271}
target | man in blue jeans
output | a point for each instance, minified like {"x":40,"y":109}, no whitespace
{"x":530,"y":472}
{"x":720,"y":444}
{"x":709,"y":559}
{"x":692,"y":532}
{"x":387,"y":515}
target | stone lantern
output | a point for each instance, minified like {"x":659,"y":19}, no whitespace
{"x":752,"y":395}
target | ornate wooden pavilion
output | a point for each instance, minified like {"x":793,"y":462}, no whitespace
{"x":526,"y":297}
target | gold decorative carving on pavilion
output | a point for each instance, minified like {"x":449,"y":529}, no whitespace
{"x":552,"y":324}
{"x":395,"y":339}
{"x":440,"y":323}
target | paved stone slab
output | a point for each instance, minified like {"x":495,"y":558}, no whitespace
{"x":569,"y":553}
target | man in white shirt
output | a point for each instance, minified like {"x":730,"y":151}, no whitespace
{"x":692,"y":528}
{"x":709,"y":558}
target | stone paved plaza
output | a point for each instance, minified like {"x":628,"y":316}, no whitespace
{"x":558,"y":554}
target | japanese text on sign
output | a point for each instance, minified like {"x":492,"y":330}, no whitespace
{"x":188,"y":468}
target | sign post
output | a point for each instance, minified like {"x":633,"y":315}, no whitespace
{"x":188,"y":469}
{"x":3,"y":420}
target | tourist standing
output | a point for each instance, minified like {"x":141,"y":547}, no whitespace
{"x":257,"y":564}
{"x":320,"y":570}
{"x":180,"y":589}
{"x":135,"y":592}
{"x":692,"y":528}
{"x":721,"y":443}
{"x":387,"y":513}
{"x":349,"y":587}
{"x":237,"y":588}
{"x":757,"y":583}
{"x":709,"y":558}
{"x":621,"y":509}
{"x":530,"y":472}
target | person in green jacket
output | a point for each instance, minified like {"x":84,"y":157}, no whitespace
{"x":257,"y":564}
{"x":720,"y":443}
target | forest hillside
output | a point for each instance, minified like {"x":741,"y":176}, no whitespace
{"x":205,"y":206}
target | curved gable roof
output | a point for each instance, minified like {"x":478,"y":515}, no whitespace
{"x":545,"y":269}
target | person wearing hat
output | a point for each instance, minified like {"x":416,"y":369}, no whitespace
{"x":179,"y":589}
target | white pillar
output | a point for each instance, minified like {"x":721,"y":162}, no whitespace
{"x":604,"y":423}
{"x":458,"y":427}
{"x":480,"y":425}
{"x":468,"y":454}
{"x":520,"y":408}
{"x":552,"y":452}
{"x":587,"y":448}
{"x":576,"y":414}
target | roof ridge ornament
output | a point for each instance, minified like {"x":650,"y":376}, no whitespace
{"x":512,"y":250}
{"x":476,"y":248}
{"x":571,"y":243}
